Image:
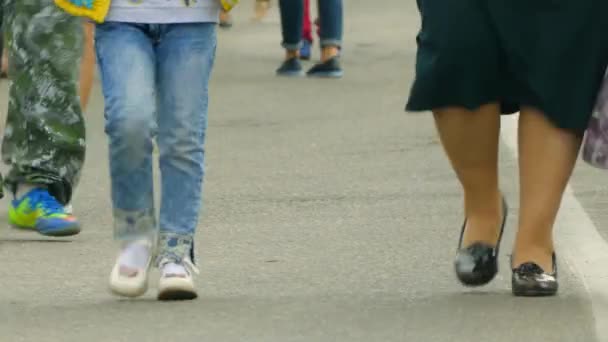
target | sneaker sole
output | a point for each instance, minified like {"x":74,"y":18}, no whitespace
{"x":132,"y":287}
{"x":128,"y":291}
{"x":171,"y":294}
{"x":290,"y":74}
{"x":335,"y":74}
{"x":61,"y":233}
{"x":71,"y":231}
{"x":119,"y":292}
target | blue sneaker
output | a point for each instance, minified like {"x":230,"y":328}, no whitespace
{"x":38,"y":210}
{"x":306,"y":50}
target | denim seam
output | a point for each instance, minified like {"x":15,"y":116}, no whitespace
{"x":331,"y":42}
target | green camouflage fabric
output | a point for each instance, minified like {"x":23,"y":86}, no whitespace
{"x":44,"y":137}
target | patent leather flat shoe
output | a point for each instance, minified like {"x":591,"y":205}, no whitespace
{"x":530,"y":280}
{"x":477,"y":264}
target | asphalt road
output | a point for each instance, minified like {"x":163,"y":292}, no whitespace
{"x":330,"y":215}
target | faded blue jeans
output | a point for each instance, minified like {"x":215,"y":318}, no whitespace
{"x":155,"y":81}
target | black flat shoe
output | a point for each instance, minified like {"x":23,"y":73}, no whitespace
{"x":477,"y":264}
{"x":530,"y":280}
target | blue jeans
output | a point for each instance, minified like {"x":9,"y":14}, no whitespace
{"x":330,"y":20}
{"x":155,"y":84}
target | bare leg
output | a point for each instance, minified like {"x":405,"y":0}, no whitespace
{"x":4,"y":61}
{"x":261,"y":9}
{"x":470,"y":140}
{"x":225,"y":19}
{"x":547,"y":156}
{"x":87,"y":66}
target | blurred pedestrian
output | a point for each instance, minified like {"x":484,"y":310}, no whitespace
{"x":226,"y":21}
{"x":261,"y":9}
{"x":331,"y":26}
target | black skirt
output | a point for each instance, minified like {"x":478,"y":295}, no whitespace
{"x":546,"y":54}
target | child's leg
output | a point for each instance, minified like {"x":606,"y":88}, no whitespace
{"x":87,"y":65}
{"x":129,"y":94}
{"x":186,"y":53}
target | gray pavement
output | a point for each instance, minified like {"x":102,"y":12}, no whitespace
{"x":330,"y":215}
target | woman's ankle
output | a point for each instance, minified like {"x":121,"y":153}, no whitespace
{"x":484,"y":217}
{"x":540,"y":253}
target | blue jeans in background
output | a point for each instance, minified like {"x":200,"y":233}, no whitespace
{"x":155,"y":83}
{"x":330,"y":19}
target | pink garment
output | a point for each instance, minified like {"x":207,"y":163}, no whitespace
{"x":307,"y":24}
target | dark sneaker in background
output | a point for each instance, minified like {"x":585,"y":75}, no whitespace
{"x":328,"y":69}
{"x":290,"y":68}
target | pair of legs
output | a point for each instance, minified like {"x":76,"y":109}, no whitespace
{"x":547,"y":156}
{"x":160,"y":92}
{"x":331,"y":23}
{"x":44,"y":137}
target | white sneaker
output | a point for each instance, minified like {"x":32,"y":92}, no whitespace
{"x":129,"y":277}
{"x":176,"y":281}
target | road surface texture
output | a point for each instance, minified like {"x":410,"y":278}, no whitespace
{"x":330,"y":215}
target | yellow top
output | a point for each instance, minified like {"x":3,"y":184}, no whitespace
{"x":97,"y":13}
{"x":100,"y":8}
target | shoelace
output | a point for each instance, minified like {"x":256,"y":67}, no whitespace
{"x":46,"y":202}
{"x":186,"y":262}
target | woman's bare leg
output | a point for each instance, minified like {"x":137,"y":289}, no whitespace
{"x":547,"y":156}
{"x":470,"y":139}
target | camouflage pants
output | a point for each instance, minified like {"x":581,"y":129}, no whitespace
{"x":44,"y":138}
